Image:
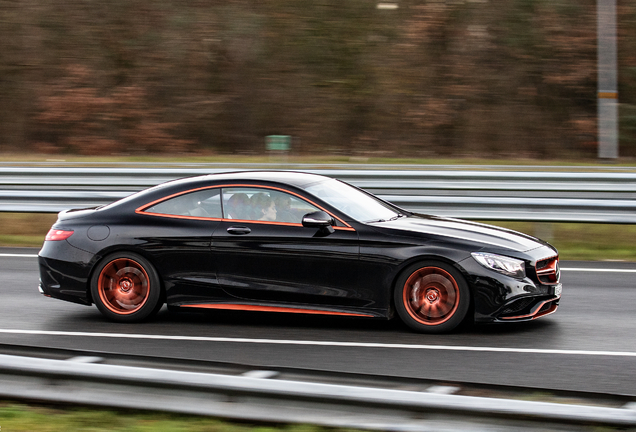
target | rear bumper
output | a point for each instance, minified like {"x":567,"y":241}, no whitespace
{"x":65,"y":279}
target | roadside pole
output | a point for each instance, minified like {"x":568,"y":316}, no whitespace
{"x":607,"y":80}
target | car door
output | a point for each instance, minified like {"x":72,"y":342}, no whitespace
{"x":263,"y":253}
{"x":177,"y":230}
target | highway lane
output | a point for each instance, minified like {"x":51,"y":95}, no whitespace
{"x":594,"y":325}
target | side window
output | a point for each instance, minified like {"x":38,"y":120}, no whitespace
{"x":264,"y":204}
{"x":203,"y":203}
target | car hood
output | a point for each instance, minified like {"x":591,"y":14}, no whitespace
{"x":456,"y":228}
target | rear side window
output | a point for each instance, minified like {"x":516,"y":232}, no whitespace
{"x":204,"y":203}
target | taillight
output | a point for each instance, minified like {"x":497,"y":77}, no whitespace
{"x":57,"y":234}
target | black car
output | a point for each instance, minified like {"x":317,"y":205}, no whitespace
{"x":293,"y":242}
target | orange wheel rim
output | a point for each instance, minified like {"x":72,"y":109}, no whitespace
{"x":431,"y":296}
{"x":123,"y":286}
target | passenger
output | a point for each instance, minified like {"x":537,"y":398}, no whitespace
{"x":238,"y":206}
{"x":264,"y":207}
{"x":283,"y":209}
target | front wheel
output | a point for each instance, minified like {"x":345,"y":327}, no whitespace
{"x":432,"y":297}
{"x":126,"y":288}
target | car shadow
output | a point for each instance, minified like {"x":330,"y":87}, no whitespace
{"x":285,"y":320}
{"x":273,"y":319}
{"x":508,"y":327}
{"x":172,"y":322}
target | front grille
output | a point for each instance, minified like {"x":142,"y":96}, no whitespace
{"x":548,"y":270}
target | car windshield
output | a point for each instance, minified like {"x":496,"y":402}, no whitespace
{"x":353,"y":202}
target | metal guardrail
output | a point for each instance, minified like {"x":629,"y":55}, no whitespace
{"x":276,"y":400}
{"x":486,"y":193}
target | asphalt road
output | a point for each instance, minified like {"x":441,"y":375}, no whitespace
{"x":587,"y":345}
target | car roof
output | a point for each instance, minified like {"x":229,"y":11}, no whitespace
{"x":293,"y":178}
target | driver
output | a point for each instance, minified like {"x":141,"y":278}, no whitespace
{"x":264,"y":207}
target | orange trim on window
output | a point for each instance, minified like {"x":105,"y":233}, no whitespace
{"x":257,"y":308}
{"x":142,"y":209}
{"x":263,"y":222}
{"x":180,"y":216}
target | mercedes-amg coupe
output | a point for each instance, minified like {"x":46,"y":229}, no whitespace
{"x":293,"y":242}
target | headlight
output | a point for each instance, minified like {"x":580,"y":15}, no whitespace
{"x":501,"y":264}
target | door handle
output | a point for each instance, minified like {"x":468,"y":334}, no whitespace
{"x":238,"y":230}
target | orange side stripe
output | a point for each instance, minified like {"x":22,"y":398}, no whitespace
{"x":230,"y":306}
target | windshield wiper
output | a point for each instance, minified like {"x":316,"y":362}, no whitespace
{"x":387,"y":220}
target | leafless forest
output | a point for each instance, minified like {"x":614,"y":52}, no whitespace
{"x":486,"y":78}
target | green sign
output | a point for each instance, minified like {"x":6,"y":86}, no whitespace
{"x":278,"y":142}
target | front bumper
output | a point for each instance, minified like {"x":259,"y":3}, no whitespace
{"x":501,"y":298}
{"x":530,"y":308}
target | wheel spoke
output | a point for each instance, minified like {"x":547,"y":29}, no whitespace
{"x":110,"y":274}
{"x":425,"y":310}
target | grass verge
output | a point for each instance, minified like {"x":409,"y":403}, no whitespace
{"x":24,"y":229}
{"x":579,"y":241}
{"x":16,"y":417}
{"x":593,"y":242}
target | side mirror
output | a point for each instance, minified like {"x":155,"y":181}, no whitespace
{"x":318,"y":219}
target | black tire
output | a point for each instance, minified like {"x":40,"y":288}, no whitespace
{"x":431,"y":297}
{"x":126,"y":288}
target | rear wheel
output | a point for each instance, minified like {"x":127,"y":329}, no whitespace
{"x":126,"y":288}
{"x":432,"y":297}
